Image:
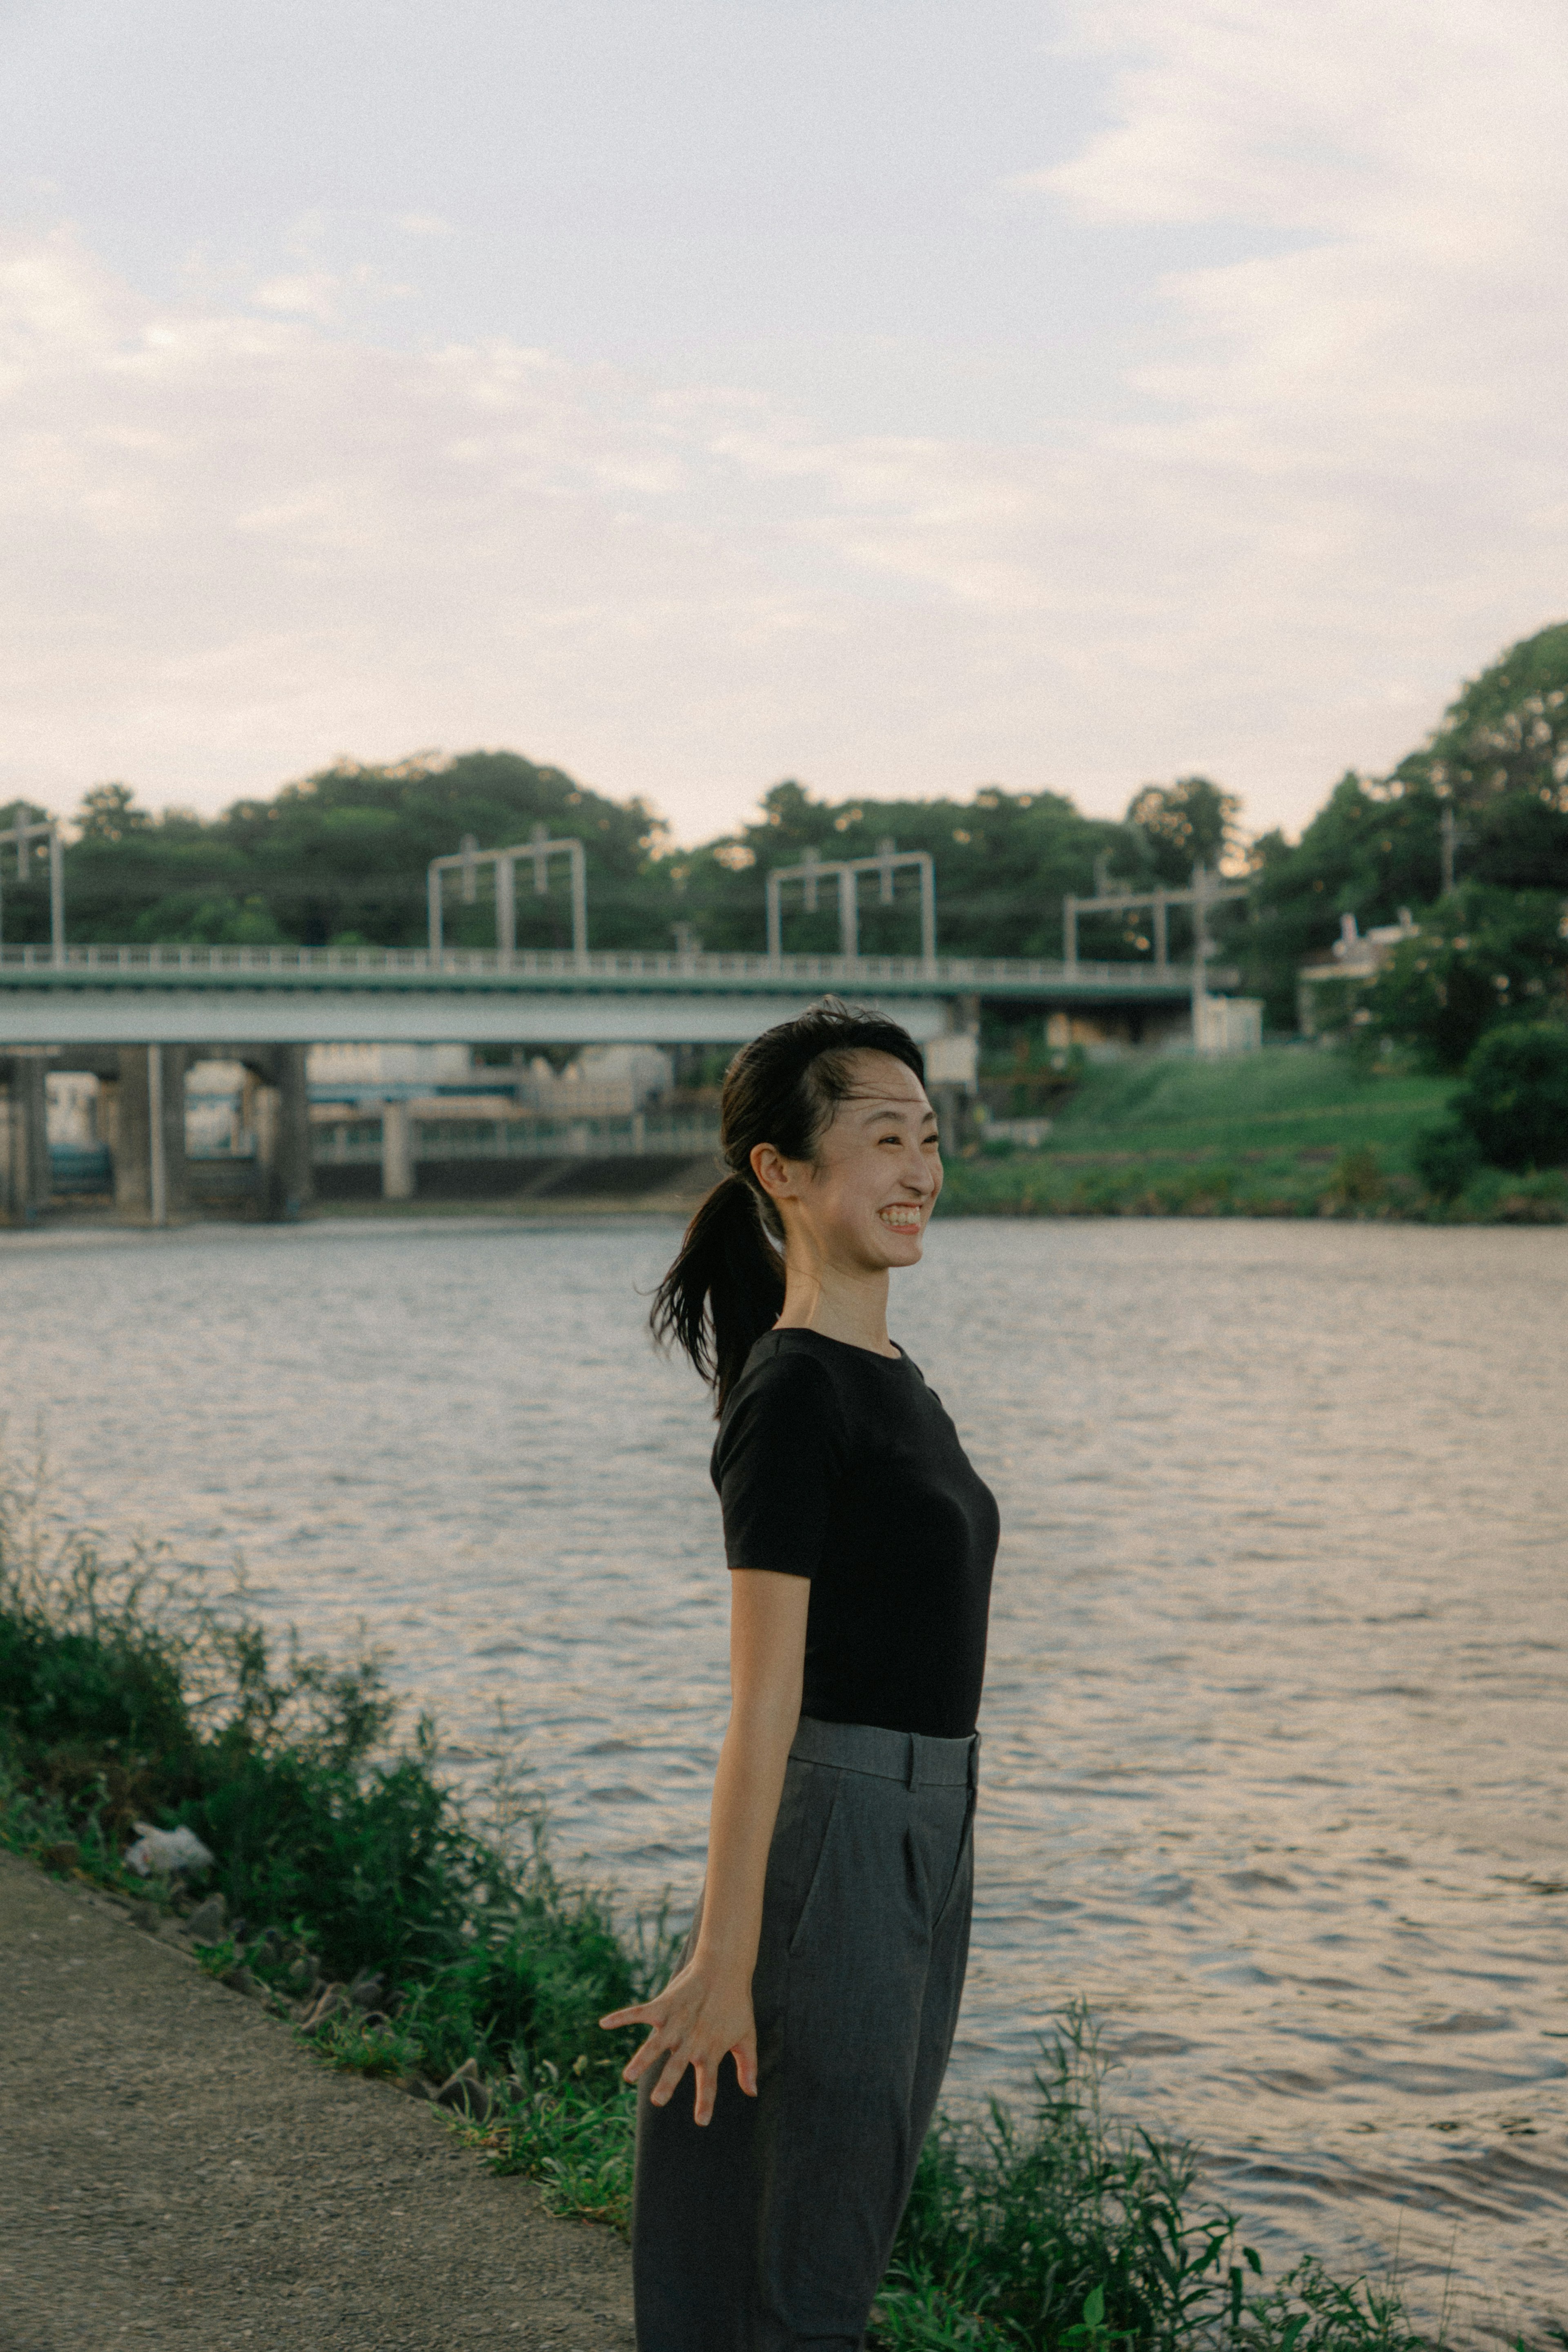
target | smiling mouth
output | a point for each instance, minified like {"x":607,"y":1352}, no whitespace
{"x":903,"y":1217}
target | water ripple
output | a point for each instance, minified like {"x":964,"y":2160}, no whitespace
{"x":1275,"y":1724}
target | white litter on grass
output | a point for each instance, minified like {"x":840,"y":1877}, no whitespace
{"x":166,"y":1850}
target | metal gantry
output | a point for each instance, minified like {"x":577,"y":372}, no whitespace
{"x":815,"y":870}
{"x":1206,"y":890}
{"x":24,"y":831}
{"x":467,"y":861}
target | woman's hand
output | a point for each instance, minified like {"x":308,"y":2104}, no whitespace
{"x":703,"y":2014}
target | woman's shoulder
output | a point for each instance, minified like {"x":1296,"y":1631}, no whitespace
{"x":781,"y":1366}
{"x":784,"y":1387}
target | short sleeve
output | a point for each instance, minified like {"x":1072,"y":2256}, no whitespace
{"x":778,"y":1459}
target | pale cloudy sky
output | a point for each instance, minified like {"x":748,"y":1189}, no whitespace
{"x":899,"y":395}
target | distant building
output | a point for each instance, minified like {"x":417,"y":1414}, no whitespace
{"x":1224,"y":1025}
{"x":1227,"y":1025}
{"x":1356,"y":956}
{"x":370,"y":1067}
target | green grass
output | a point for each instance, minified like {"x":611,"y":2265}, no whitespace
{"x":126,"y":1695}
{"x":1065,"y":2230}
{"x":1249,"y":1099}
{"x":1284,"y":1132}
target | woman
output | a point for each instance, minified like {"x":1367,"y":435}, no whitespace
{"x":792,"y":2063}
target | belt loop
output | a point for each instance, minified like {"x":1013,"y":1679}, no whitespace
{"x":974,"y":1762}
{"x":914,"y":1739}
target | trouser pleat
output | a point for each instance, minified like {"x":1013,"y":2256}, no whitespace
{"x":770,"y":2229}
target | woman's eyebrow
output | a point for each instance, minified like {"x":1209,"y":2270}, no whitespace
{"x":897,"y":1110}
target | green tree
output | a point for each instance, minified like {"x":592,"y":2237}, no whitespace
{"x":1497,"y":762}
{"x":108,"y":812}
{"x":1372,"y":849}
{"x":1505,"y":736}
{"x":342,"y":856}
{"x":345,"y":853}
{"x":1481,"y":957}
{"x":347,"y":850}
{"x":1003,"y":862}
{"x":205,"y":919}
{"x":27,"y":812}
{"x":125,"y":863}
{"x":1514,"y":1100}
{"x":1190,"y":823}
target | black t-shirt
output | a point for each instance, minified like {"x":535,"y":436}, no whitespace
{"x":839,"y":1464}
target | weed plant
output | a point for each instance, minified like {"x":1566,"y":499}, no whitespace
{"x":1067,"y":2231}
{"x":126,"y":1695}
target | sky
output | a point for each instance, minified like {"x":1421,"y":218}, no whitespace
{"x":903,"y":398}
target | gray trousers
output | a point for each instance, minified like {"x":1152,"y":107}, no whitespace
{"x":769,"y":2228}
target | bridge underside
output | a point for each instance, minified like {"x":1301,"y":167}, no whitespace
{"x":138,"y":1017}
{"x":220,"y":1018}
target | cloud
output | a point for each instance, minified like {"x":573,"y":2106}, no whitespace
{"x":1413,"y":160}
{"x":308,"y":294}
{"x":241,"y":537}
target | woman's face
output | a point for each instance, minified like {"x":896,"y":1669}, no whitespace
{"x":865,"y":1200}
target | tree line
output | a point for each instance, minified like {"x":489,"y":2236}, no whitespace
{"x":340,"y":859}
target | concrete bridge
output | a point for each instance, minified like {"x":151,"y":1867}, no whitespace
{"x":136,"y":1017}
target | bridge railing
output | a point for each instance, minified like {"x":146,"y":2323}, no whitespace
{"x":339,"y":1143}
{"x":308,"y":966}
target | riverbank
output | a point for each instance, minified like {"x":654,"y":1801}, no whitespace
{"x":1280,"y":1133}
{"x":411,"y":1949}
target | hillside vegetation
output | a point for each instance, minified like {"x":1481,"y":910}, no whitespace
{"x":1286,"y":1133}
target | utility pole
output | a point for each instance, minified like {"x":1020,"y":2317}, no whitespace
{"x":1205,"y":894}
{"x":22,"y":833}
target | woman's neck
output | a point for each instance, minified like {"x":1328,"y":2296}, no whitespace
{"x":849,"y":1307}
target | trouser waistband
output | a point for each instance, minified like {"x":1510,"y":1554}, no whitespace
{"x":913,"y":1757}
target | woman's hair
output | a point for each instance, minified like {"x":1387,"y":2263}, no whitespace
{"x":726,"y":1286}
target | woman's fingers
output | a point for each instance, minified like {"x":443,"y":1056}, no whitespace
{"x":642,"y":2057}
{"x":675,"y":2067}
{"x":678,"y":2056}
{"x":681,"y":2034}
{"x":645,"y":2013}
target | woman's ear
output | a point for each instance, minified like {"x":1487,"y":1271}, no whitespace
{"x":772,"y":1170}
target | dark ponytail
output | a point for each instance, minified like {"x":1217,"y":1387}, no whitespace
{"x":726,"y":1286}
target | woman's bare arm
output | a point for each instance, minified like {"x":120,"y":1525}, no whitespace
{"x":706,"y":2009}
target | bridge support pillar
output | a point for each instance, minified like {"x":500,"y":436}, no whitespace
{"x":284,"y":1182}
{"x":24,"y":1140}
{"x":151,"y":1184}
{"x":950,"y":1094}
{"x":397,"y":1152}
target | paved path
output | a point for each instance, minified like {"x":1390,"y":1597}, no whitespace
{"x":175,"y":2169}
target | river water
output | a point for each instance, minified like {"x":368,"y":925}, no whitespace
{"x":1277,"y":1715}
